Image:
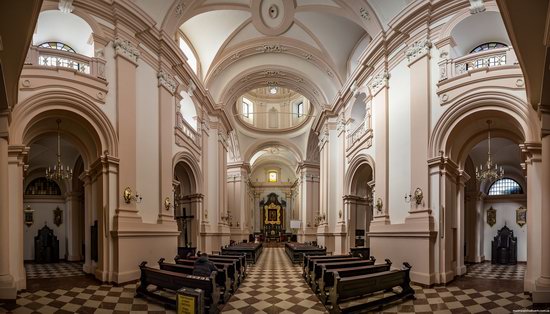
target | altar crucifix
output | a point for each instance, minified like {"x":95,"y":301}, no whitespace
{"x":183,"y":221}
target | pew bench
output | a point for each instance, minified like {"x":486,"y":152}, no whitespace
{"x":326,"y":281}
{"x":354,"y":287}
{"x":222,"y":277}
{"x":173,"y":281}
{"x":315,"y":274}
{"x":307,"y":263}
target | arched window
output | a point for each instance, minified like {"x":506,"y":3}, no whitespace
{"x":488,"y":46}
{"x":505,"y":186}
{"x":56,"y":45}
{"x":300,"y":109}
{"x":42,"y":186}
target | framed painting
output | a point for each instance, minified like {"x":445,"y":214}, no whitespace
{"x":491,"y":216}
{"x":521,"y":216}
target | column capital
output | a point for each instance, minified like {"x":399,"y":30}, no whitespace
{"x":378,"y":82}
{"x":167,"y":81}
{"x":418,"y":49}
{"x":126,"y":49}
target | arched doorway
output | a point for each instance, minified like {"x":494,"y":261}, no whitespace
{"x":187,"y":205}
{"x":87,"y":131}
{"x":465,"y":231}
{"x":358,"y":202}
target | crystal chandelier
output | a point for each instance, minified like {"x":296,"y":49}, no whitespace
{"x":59,"y":171}
{"x":491,"y":172}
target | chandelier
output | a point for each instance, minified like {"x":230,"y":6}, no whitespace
{"x":59,"y":172}
{"x":491,"y":172}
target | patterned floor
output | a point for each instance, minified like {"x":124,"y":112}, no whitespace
{"x":274,"y":285}
{"x":490,"y":271}
{"x":53,"y":270}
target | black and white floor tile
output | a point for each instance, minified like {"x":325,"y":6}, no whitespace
{"x":274,"y":285}
{"x":487,"y":270}
{"x":53,"y":270}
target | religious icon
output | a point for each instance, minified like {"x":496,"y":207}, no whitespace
{"x":29,"y":216}
{"x":521,"y":216}
{"x":491,"y":216}
{"x":57,"y":216}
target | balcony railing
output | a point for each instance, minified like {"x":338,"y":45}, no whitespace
{"x":189,"y":131}
{"x":483,"y":59}
{"x":48,"y":57}
{"x":185,"y":133}
{"x":357,"y":134}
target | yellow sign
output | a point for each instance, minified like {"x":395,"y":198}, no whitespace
{"x":186,"y":304}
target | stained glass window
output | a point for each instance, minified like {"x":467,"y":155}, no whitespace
{"x":56,"y":45}
{"x":505,"y":186}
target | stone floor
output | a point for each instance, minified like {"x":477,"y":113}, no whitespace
{"x":487,"y":270}
{"x":273,"y":285}
{"x":53,"y":270}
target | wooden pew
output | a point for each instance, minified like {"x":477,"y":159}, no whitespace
{"x":229,"y":270}
{"x":308,"y":261}
{"x":358,"y":286}
{"x":296,"y":251}
{"x":240,"y":261}
{"x":315,"y":272}
{"x":222,"y":278}
{"x":174,"y":281}
{"x":326,"y":281}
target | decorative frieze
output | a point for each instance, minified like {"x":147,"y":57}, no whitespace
{"x":222,"y":138}
{"x":66,"y":6}
{"x":167,"y":81}
{"x":476,"y":6}
{"x":323,"y":136}
{"x":180,"y":8}
{"x":126,"y":48}
{"x":364,"y":14}
{"x":272,"y":48}
{"x":418,"y":49}
{"x":341,"y":123}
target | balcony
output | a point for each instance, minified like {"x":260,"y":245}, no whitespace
{"x":361,"y":134}
{"x":451,"y":68}
{"x":47,"y":57}
{"x":186,"y":136}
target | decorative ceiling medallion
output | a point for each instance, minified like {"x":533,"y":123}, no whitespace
{"x":273,"y":17}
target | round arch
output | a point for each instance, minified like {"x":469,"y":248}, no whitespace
{"x":189,"y":161}
{"x":67,"y":104}
{"x":357,"y":161}
{"x":480,"y":106}
{"x":261,"y":144}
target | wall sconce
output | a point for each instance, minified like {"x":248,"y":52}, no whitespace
{"x":379,"y":205}
{"x":129,"y":196}
{"x":167,"y":203}
{"x":418,"y":196}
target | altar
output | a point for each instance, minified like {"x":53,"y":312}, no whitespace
{"x":273,"y":217}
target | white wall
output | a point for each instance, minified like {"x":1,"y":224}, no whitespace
{"x":506,"y":212}
{"x":43,"y":213}
{"x":147,"y":137}
{"x":399,"y":142}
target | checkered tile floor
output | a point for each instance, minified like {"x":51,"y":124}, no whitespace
{"x":487,"y":270}
{"x":274,"y":285}
{"x":53,"y":270}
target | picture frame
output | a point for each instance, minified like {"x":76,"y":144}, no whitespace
{"x":28,"y":214}
{"x":57,"y":216}
{"x":521,"y":216}
{"x":491,"y":216}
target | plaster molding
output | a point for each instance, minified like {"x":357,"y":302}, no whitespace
{"x":418,"y":49}
{"x":126,"y":48}
{"x":379,"y":81}
{"x":477,"y":6}
{"x":167,"y":81}
{"x":66,"y":6}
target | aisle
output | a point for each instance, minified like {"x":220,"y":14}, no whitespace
{"x":274,"y":285}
